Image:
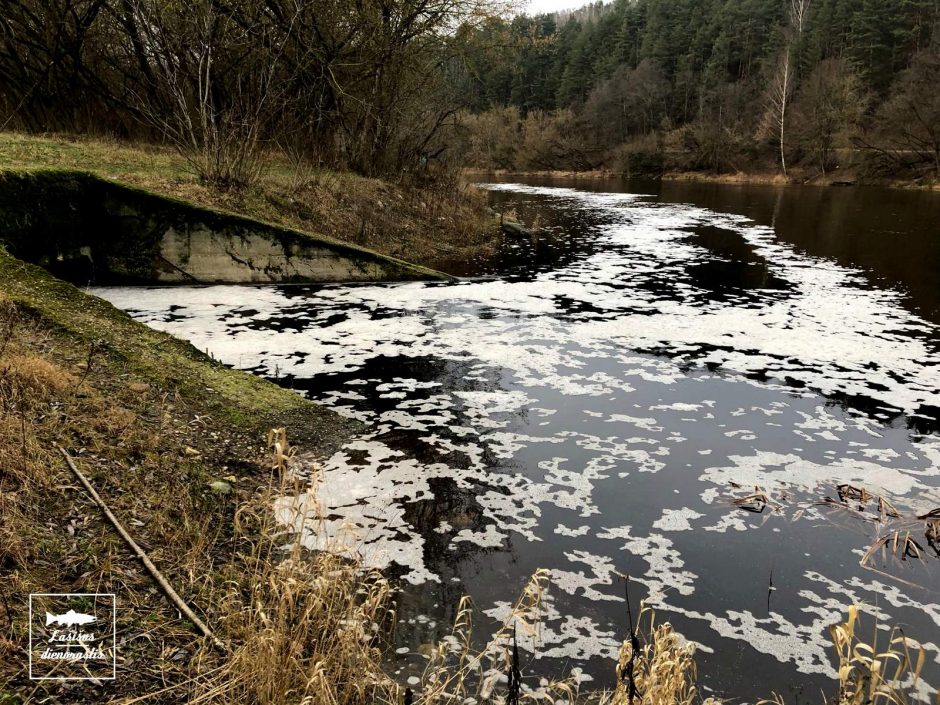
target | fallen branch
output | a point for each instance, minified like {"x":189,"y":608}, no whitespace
{"x":157,"y":575}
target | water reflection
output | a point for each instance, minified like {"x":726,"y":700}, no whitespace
{"x":893,"y":235}
{"x":597,"y":410}
{"x":735,"y":266}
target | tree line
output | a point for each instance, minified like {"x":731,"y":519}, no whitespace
{"x":385,"y":87}
{"x":643,"y":85}
{"x":359,"y":84}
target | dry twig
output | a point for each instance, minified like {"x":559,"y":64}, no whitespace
{"x":154,"y":571}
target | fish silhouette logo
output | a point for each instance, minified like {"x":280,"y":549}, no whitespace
{"x":72,"y":636}
{"x":69,"y":619}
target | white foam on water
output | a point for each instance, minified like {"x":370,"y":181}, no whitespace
{"x":536,"y":409}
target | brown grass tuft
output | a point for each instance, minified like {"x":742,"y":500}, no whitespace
{"x":870,"y":674}
{"x":457,"y":673}
{"x":307,"y":626}
{"x":24,"y":377}
{"x":874,"y":675}
{"x":663,"y":668}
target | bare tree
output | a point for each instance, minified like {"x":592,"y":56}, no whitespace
{"x":210,"y":86}
{"x":798,"y":14}
{"x":781,"y":84}
{"x":404,"y":41}
{"x":908,"y":124}
{"x":829,"y":108}
{"x":47,"y":53}
{"x":778,"y":98}
{"x":366,"y":76}
{"x":631,"y":102}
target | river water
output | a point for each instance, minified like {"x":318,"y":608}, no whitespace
{"x":593,"y":400}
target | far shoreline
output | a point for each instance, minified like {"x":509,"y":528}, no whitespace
{"x":741,"y":178}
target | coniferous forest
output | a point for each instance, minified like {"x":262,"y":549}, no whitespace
{"x":640,"y":86}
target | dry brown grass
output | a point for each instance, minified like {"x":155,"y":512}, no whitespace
{"x":457,"y":672}
{"x":130,"y":438}
{"x":31,"y":387}
{"x":305,"y":628}
{"x":27,"y":378}
{"x":869,"y":673}
{"x":658,"y":668}
{"x":311,"y":627}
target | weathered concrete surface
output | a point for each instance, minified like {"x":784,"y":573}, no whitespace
{"x":203,"y":255}
{"x":91,"y":230}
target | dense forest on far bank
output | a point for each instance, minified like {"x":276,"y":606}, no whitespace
{"x":643,"y":86}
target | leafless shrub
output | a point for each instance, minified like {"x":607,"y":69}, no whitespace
{"x":209,"y":89}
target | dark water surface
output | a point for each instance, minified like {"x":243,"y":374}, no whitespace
{"x":892,"y":235}
{"x":595,"y":399}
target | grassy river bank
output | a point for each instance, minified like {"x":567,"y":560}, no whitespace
{"x":406,"y":219}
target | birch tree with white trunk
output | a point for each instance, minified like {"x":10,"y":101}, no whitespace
{"x":781,"y":89}
{"x":781,"y":85}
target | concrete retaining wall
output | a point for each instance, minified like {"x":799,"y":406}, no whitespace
{"x":87,"y":229}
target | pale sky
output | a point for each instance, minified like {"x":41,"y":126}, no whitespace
{"x":534,"y":7}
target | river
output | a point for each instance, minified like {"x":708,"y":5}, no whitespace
{"x":593,"y":400}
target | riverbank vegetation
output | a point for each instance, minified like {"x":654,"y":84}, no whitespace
{"x":353,"y":120}
{"x":344,"y":85}
{"x":329,"y":117}
{"x":410,"y":91}
{"x":173,"y":442}
{"x":825,"y":89}
{"x":405,"y":219}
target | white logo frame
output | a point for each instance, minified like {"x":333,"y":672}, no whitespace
{"x":95,"y":595}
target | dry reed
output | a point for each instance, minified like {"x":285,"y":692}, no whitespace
{"x":756,"y":502}
{"x":458,"y":673}
{"x":310,"y":628}
{"x":307,"y":625}
{"x":661,"y":665}
{"x":869,"y":674}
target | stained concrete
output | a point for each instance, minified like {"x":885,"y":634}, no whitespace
{"x":87,"y":229}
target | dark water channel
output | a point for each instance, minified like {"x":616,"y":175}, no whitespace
{"x":594,"y":400}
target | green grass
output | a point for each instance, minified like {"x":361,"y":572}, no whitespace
{"x":168,"y":362}
{"x":19,"y":151}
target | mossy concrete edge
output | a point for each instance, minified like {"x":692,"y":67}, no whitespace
{"x":174,"y":365}
{"x":133,"y":235}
